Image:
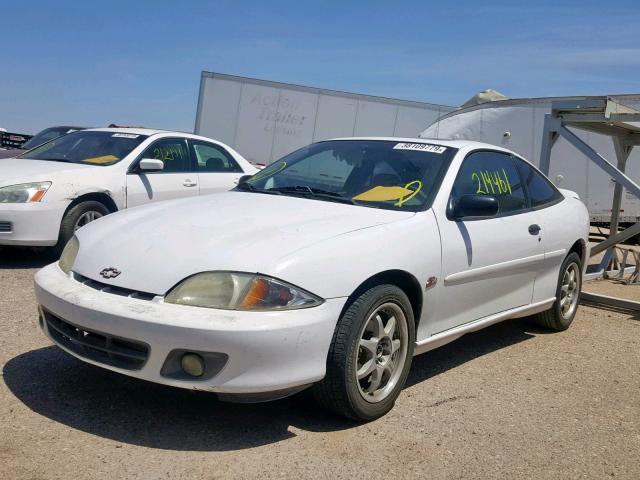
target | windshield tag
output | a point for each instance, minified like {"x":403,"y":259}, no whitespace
{"x":125,"y":135}
{"x":421,"y":147}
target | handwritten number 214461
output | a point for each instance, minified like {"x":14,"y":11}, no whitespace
{"x":495,"y":182}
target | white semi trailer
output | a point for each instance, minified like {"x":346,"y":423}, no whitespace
{"x":265,"y":120}
{"x":517,"y":124}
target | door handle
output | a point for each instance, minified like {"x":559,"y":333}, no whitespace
{"x":534,"y":229}
{"x":189,"y":183}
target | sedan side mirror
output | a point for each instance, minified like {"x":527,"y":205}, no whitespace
{"x":151,"y":165}
{"x":244,"y":178}
{"x":474,"y":206}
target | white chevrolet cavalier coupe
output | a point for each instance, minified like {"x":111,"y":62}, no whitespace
{"x":52,"y":190}
{"x":330,"y":268}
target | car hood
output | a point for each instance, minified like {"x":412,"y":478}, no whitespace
{"x":22,"y":170}
{"x":156,"y":246}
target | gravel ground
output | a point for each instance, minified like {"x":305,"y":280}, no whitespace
{"x":511,"y":402}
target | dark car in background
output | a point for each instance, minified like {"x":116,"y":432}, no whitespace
{"x":38,"y":139}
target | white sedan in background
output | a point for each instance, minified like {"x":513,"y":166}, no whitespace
{"x":330,"y":268}
{"x":49,"y":192}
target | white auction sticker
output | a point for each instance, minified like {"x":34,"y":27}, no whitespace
{"x":421,"y":147}
{"x":125,"y":135}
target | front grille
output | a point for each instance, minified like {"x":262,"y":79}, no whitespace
{"x":101,"y":347}
{"x":6,"y":227}
{"x":103,"y":287}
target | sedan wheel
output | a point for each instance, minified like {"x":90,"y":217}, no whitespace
{"x":86,"y":218}
{"x":382,"y":352}
{"x":76,"y":217}
{"x":564,"y":309}
{"x":569,"y":291}
{"x":370,"y":355}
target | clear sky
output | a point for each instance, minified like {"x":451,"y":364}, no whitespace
{"x":139,"y":62}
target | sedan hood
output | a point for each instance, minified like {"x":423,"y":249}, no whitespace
{"x":156,"y":246}
{"x":22,"y":170}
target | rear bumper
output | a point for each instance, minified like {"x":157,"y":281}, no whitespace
{"x":265,"y":351}
{"x":30,"y":224}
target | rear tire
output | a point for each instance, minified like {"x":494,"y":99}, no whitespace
{"x":559,"y":317}
{"x":370,"y":355}
{"x":76,"y":217}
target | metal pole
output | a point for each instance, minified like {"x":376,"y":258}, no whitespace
{"x":622,"y":154}
{"x":549,"y":137}
{"x":598,"y":159}
{"x":627,"y":233}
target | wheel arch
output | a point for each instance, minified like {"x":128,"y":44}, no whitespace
{"x":402,"y":279}
{"x":101,"y":197}
{"x":579,"y":247}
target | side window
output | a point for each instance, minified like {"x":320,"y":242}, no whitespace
{"x":491,"y":173}
{"x":173,"y":152}
{"x":539,"y":188}
{"x":212,"y":158}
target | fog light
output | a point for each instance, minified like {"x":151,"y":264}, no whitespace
{"x":192,"y":364}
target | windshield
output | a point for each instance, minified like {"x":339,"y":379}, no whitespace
{"x":46,"y":135}
{"x":88,"y":147}
{"x":375,"y":173}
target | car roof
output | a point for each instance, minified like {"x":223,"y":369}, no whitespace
{"x":134,"y":131}
{"x":437,"y":141}
{"x":150,"y":131}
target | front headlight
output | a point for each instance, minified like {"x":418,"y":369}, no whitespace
{"x":239,"y":291}
{"x":69,"y":255}
{"x":24,"y":192}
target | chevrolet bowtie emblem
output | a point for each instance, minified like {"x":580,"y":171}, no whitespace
{"x":110,"y":272}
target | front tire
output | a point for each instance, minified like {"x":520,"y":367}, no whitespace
{"x":78,"y":216}
{"x":563,"y":311}
{"x":370,"y":355}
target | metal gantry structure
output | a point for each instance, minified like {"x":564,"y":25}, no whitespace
{"x":605,"y":116}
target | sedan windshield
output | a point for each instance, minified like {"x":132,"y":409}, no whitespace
{"x":374,"y":173}
{"x":88,"y":147}
{"x":46,"y":135}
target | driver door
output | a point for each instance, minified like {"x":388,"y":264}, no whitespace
{"x":177,"y":179}
{"x":489,"y":265}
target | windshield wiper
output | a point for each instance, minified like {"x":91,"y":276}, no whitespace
{"x":247,"y":187}
{"x":314,"y":192}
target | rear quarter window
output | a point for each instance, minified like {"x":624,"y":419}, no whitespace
{"x":540,"y":190}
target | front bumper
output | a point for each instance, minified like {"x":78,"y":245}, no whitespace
{"x":267,"y":351}
{"x":30,"y":224}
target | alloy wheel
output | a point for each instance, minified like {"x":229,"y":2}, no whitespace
{"x":569,"y":291}
{"x":382,"y":352}
{"x":85,"y":218}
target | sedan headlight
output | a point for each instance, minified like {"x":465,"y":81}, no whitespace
{"x":24,"y":192}
{"x":240,"y":291}
{"x":69,"y":255}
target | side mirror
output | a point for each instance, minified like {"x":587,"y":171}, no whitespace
{"x":244,"y":178}
{"x":150,"y":165}
{"x":474,"y":206}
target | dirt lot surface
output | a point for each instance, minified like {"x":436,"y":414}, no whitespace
{"x":512,"y":401}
